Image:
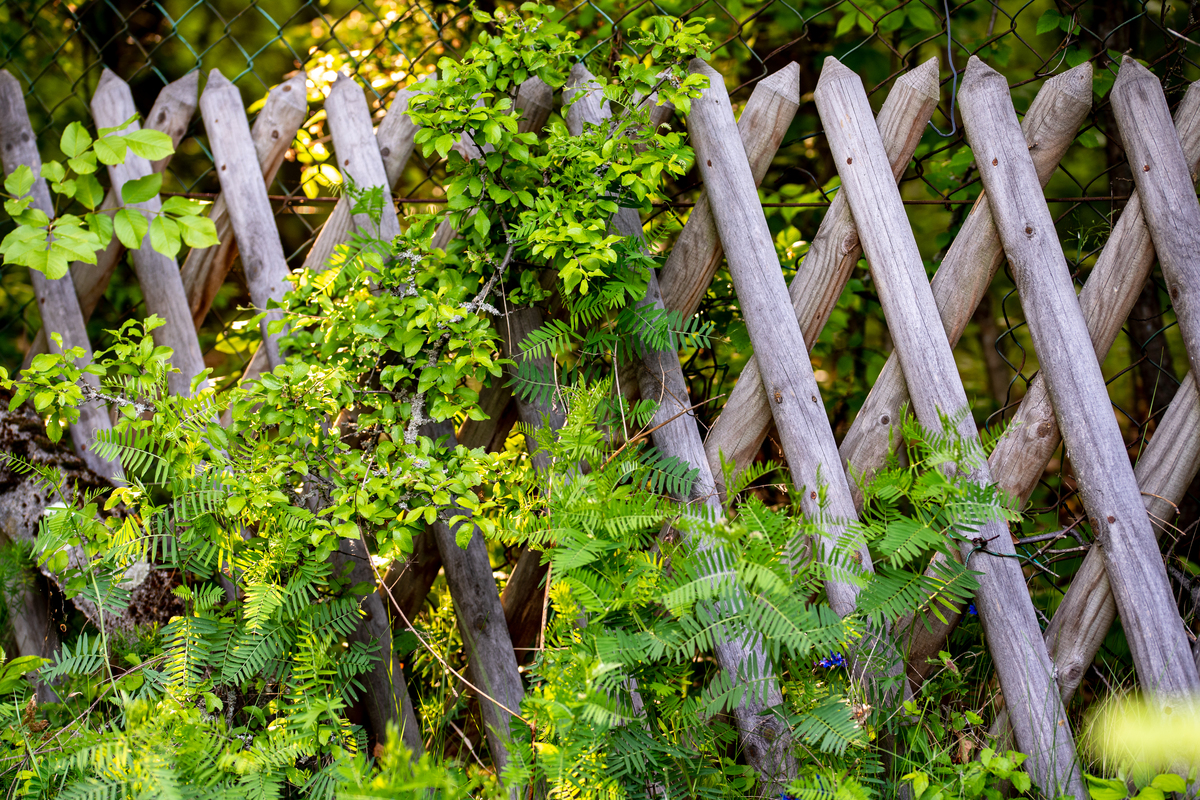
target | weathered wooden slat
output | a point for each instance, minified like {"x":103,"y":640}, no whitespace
{"x":387,"y":691}
{"x":1093,"y":440}
{"x":1163,"y":177}
{"x":171,"y":114}
{"x":1009,"y":622}
{"x":395,"y":140}
{"x":1086,"y":613}
{"x":56,"y":301}
{"x":765,"y":740}
{"x":746,"y":418}
{"x":1032,"y":435}
{"x":157,"y":274}
{"x":968,"y":268}
{"x":491,"y":663}
{"x":247,"y":204}
{"x":357,"y":153}
{"x":697,"y":252}
{"x":274,"y":129}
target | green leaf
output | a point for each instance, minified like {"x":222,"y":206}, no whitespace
{"x":1169,"y":782}
{"x":53,"y":171}
{"x":110,"y":150}
{"x":1048,"y":21}
{"x":922,"y":17}
{"x":142,"y":189}
{"x":1020,"y":781}
{"x":482,"y":224}
{"x":197,"y":231}
{"x":102,"y":226}
{"x":149,"y":144}
{"x":1106,"y":789}
{"x":19,"y":181}
{"x":75,"y":140}
{"x":89,"y":191}
{"x":164,"y":236}
{"x":130,"y":226}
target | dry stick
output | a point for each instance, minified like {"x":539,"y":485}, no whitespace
{"x":273,"y":132}
{"x":1086,"y":613}
{"x":1009,"y":622}
{"x":491,"y":662}
{"x":56,"y":300}
{"x":394,"y":138}
{"x":157,"y":274}
{"x":765,"y":739}
{"x":249,"y":209}
{"x":170,"y":115}
{"x":1093,"y":440}
{"x":823,"y":273}
{"x":697,"y":252}
{"x":388,"y":701}
{"x":972,"y":261}
{"x":1032,"y":435}
{"x":357,"y":153}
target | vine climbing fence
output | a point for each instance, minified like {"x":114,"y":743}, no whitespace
{"x":58,"y":53}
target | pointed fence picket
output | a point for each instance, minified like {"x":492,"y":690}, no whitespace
{"x":1125,"y":576}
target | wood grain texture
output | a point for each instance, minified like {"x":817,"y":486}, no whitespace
{"x":1086,"y":614}
{"x":394,"y":137}
{"x":822,"y":274}
{"x":491,"y":663}
{"x":273,"y":132}
{"x":1005,"y":609}
{"x":697,"y":252}
{"x":1108,"y":487}
{"x":357,"y":153}
{"x":763,"y":736}
{"x":237,"y":165}
{"x":967,"y":270}
{"x":387,"y":699}
{"x":171,"y":114}
{"x":57,"y":303}
{"x":1162,"y":174}
{"x":157,"y":274}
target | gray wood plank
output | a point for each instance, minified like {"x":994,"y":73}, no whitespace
{"x":237,"y":165}
{"x":1093,"y":441}
{"x":274,"y":130}
{"x":157,"y":274}
{"x":743,"y":424}
{"x":1005,"y":609}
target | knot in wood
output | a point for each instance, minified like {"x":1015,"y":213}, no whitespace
{"x":1145,"y":167}
{"x":1175,"y":292}
{"x":856,"y":557}
{"x":480,"y":625}
{"x":778,"y":396}
{"x":885,"y":420}
{"x":1028,"y":230}
{"x":849,"y":160}
{"x":1111,"y":519}
{"x":812,"y":495}
{"x":346,"y":163}
{"x":287,"y":87}
{"x":1043,"y":430}
{"x":995,"y":162}
{"x":274,"y":134}
{"x":161,"y":116}
{"x":850,"y":243}
{"x":222,"y":168}
{"x":385,"y":152}
{"x":814,"y":398}
{"x":710,"y":162}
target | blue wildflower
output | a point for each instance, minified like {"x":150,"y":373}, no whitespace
{"x":971,"y":609}
{"x":833,"y":661}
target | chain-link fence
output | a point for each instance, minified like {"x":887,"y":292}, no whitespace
{"x":57,"y":50}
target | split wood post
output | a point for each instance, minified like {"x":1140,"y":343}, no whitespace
{"x":1009,"y":622}
{"x":157,"y":274}
{"x":970,"y":264}
{"x":56,"y":301}
{"x":357,"y":153}
{"x":765,"y":739}
{"x":273,"y":132}
{"x":387,"y":698}
{"x":171,"y":114}
{"x":248,"y":206}
{"x":1032,"y":435}
{"x":1086,"y":613}
{"x":1162,"y":174}
{"x":491,"y":662}
{"x":697,"y":252}
{"x":1107,"y":484}
{"x":394,"y":137}
{"x":823,"y":272}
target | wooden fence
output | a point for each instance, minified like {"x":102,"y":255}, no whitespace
{"x":1038,"y":670}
